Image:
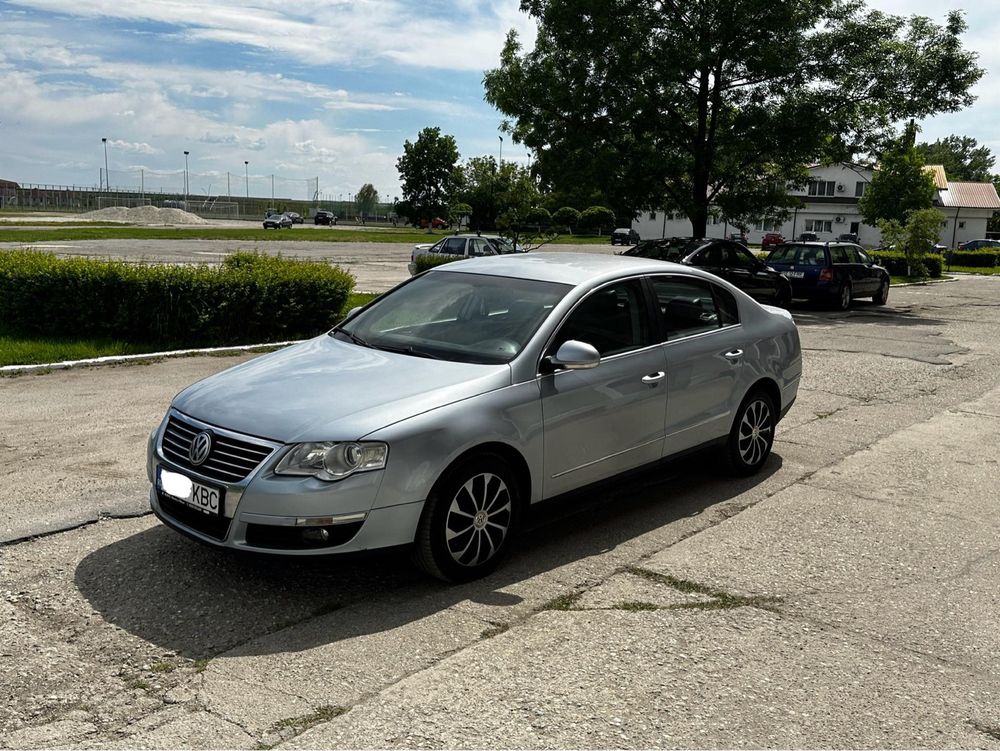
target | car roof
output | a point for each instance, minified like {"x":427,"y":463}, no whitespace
{"x":567,"y":268}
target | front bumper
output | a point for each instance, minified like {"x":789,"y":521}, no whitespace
{"x":266,"y":513}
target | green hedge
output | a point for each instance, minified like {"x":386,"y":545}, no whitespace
{"x":980,"y":258}
{"x":249,"y":298}
{"x":894,"y":262}
{"x":430,"y":260}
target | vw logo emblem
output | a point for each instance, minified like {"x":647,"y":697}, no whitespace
{"x":201,"y":446}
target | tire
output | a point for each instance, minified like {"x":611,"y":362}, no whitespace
{"x":882,"y":296}
{"x":475,"y":504}
{"x":844,"y":297}
{"x":784,"y":297}
{"x":752,"y":434}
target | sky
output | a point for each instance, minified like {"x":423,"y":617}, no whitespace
{"x":326,"y":90}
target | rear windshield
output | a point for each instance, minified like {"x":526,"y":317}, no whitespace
{"x":800,"y":255}
{"x":664,"y":250}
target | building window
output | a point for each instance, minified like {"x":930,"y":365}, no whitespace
{"x":859,"y":188}
{"x":768,"y":225}
{"x":961,"y":225}
{"x":652,"y":215}
{"x":822,"y":188}
{"x":819,"y":225}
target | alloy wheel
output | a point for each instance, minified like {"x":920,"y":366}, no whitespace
{"x":478,"y":519}
{"x":755,"y":432}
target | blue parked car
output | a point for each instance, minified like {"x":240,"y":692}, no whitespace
{"x":834,"y":273}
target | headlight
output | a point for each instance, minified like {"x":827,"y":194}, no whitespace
{"x":333,"y":461}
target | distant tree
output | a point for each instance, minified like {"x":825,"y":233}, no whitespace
{"x":538,"y":215}
{"x":458,"y":213}
{"x":366,"y":200}
{"x":899,"y":186}
{"x":993,"y":225}
{"x":597,"y":219}
{"x":500,"y":195}
{"x":427,"y":173}
{"x":567,"y":217}
{"x":689,"y":104}
{"x":963,"y":158}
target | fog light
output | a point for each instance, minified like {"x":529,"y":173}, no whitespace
{"x":316,"y":534}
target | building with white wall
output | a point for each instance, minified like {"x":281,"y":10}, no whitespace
{"x":830,"y":208}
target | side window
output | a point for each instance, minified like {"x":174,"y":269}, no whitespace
{"x":838,"y":254}
{"x":479,"y":247}
{"x":686,"y":305}
{"x":740,"y":258}
{"x":860,"y":256}
{"x":454,"y":246}
{"x":725,"y":301}
{"x":712,"y":256}
{"x":613,"y":319}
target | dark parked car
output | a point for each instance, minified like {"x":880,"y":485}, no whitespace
{"x":724,"y":258}
{"x":979,"y":244}
{"x":278,"y":221}
{"x":624,"y":236}
{"x":849,"y":237}
{"x":834,"y":273}
{"x":771,"y":239}
{"x":808,"y":237}
{"x":325,"y":217}
{"x":296,"y":218}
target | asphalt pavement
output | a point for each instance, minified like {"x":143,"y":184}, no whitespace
{"x":845,"y":597}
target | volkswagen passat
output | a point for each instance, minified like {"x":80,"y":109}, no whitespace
{"x":437,"y":414}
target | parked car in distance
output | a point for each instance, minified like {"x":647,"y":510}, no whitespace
{"x":808,"y":237}
{"x":849,"y":237}
{"x":979,"y":244}
{"x":724,"y":258}
{"x":466,"y":246}
{"x":771,"y":239}
{"x":465,"y":395}
{"x":324,"y":217}
{"x":296,"y":218}
{"x":278,"y":221}
{"x":738,"y":237}
{"x":624,"y":236}
{"x":834,"y":273}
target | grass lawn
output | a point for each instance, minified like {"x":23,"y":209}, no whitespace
{"x":16,"y":349}
{"x":984,"y":270}
{"x":22,"y":232}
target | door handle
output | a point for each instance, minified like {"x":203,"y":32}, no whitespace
{"x":654,"y":377}
{"x":734,"y":355}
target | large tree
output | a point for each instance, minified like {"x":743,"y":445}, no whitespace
{"x":428,"y":174}
{"x":688,"y":105}
{"x":963,"y":158}
{"x":496,"y":192}
{"x":899,"y":186}
{"x":366,"y":200}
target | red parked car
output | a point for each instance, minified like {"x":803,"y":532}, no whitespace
{"x":771,"y":239}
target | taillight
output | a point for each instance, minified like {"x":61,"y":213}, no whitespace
{"x":826,"y":275}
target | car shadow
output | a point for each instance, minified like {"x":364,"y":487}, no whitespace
{"x":861,"y":312}
{"x":199,"y":601}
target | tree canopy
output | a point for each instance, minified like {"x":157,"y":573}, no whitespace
{"x":899,"y":186}
{"x":963,"y":158}
{"x":717,"y":102}
{"x":366,"y":199}
{"x":428,"y":174}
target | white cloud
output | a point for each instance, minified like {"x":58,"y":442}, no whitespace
{"x":133,"y":148}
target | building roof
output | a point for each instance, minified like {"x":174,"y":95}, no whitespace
{"x":937,"y":172}
{"x":8,"y":184}
{"x":970,"y":196}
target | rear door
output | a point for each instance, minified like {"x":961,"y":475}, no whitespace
{"x":871,"y":275}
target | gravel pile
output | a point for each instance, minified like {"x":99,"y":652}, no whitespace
{"x":144,"y":215}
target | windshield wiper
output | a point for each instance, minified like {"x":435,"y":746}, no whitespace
{"x":409,"y":349}
{"x":353,"y":337}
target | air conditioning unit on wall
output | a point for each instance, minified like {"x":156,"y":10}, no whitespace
{"x":838,"y":219}
{"x":840,"y":188}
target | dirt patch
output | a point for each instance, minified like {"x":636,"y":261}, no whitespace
{"x":144,"y":215}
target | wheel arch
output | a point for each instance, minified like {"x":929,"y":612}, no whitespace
{"x":770,"y":387}
{"x":505,"y":451}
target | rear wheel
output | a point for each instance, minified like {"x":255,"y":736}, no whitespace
{"x":844,"y":297}
{"x":882,"y":296}
{"x":752,"y":434}
{"x":468,"y":520}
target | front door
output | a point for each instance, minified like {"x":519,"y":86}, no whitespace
{"x":605,"y":420}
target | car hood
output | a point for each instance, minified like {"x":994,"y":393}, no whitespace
{"x":326,"y":389}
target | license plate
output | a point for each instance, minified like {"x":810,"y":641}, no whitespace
{"x":205,"y":498}
{"x":795,"y":274}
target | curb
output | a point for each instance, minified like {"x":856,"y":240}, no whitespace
{"x":118,"y":359}
{"x":926,"y":283}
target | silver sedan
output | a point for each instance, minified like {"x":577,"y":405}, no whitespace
{"x":437,"y":414}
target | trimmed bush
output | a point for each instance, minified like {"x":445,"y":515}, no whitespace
{"x":894,"y":262}
{"x":249,"y":298}
{"x":597,"y":218}
{"x":984,"y":258}
{"x":430,"y":260}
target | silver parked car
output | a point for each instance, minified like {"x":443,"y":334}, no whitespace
{"x":437,"y":414}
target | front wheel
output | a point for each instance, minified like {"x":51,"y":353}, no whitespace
{"x":468,"y":520}
{"x":784,"y":297}
{"x":882,"y":296}
{"x":752,"y":434}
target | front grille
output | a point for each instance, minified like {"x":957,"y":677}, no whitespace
{"x":213,"y":525}
{"x":230,"y":460}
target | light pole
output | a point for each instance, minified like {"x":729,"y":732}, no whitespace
{"x":272,"y":188}
{"x":107,"y":177}
{"x":246,"y":170}
{"x":501,"y":150}
{"x":186,"y":179}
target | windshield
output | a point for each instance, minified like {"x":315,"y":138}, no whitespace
{"x":472,"y":318}
{"x":800,"y":255}
{"x":669,"y":250}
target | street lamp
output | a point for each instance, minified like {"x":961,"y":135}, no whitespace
{"x":107,"y":177}
{"x":246,"y":169}
{"x":186,"y":179}
{"x":501,"y":150}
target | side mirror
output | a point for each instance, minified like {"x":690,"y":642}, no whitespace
{"x":354,"y":310}
{"x":574,"y":355}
